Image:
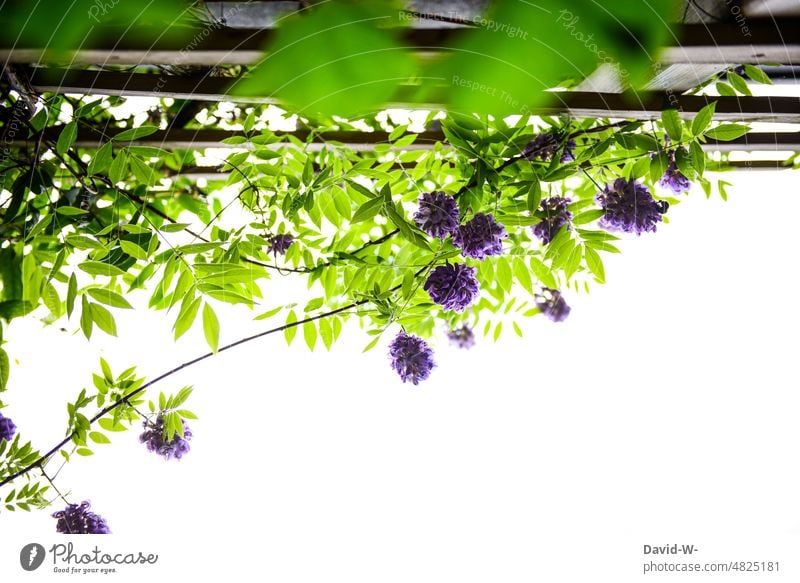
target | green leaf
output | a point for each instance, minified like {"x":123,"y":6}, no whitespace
{"x":186,"y":316}
{"x":104,"y":319}
{"x":738,"y":83}
{"x":70,"y":211}
{"x":757,"y":74}
{"x":109,"y":425}
{"x":109,"y":298}
{"x":658,"y":165}
{"x":522,"y":274}
{"x":727,"y":132}
{"x":144,"y":173}
{"x":132,"y":249}
{"x":119,"y":167}
{"x":703,"y":118}
{"x":367,"y":210}
{"x":135,"y":133}
{"x":698,"y":157}
{"x":72,"y":292}
{"x":672,"y":123}
{"x":98,"y":437}
{"x":503,"y":273}
{"x":595,"y":263}
{"x":725,"y":90}
{"x":66,"y":138}
{"x":310,"y":335}
{"x":542,"y":273}
{"x":84,"y":451}
{"x":86,"y":318}
{"x":211,"y":327}
{"x":5,"y":368}
{"x":102,"y":159}
{"x":534,"y":195}
{"x":588,"y":216}
{"x":345,"y":51}
{"x":99,"y":268}
{"x":290,"y":331}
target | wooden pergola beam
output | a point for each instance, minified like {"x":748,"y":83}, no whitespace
{"x":213,"y":138}
{"x":767,"y":41}
{"x":576,"y":103}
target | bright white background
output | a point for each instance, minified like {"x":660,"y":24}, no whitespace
{"x":664,"y":410}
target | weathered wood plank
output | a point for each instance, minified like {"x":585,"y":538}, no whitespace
{"x":767,"y":41}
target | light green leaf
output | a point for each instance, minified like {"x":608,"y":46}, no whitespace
{"x":109,"y":298}
{"x":211,"y":327}
{"x":66,"y":138}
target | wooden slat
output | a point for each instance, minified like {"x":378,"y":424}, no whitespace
{"x":578,"y":104}
{"x":212,"y":138}
{"x":723,"y":43}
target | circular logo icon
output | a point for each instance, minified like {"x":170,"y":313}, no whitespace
{"x":32,"y":556}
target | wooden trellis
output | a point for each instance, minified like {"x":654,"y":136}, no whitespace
{"x":702,"y":47}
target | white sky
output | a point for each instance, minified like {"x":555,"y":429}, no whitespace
{"x":664,"y":410}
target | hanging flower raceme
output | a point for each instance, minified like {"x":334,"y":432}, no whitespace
{"x":542,"y":147}
{"x":630,"y":207}
{"x":480,"y":237}
{"x":437,"y":215}
{"x":454,"y":287}
{"x":556,"y":215}
{"x":462,"y":337}
{"x":552,"y":304}
{"x":153,"y":436}
{"x":568,"y":155}
{"x":673,"y":179}
{"x":411,"y":357}
{"x":77,"y":519}
{"x":279,"y":244}
{"x":7,"y":428}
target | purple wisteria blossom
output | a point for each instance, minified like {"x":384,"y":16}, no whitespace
{"x":7,"y":428}
{"x":437,"y":215}
{"x":673,"y":179}
{"x":480,"y":237}
{"x":629,"y":207}
{"x":542,"y":147}
{"x":552,"y":304}
{"x":279,"y":244}
{"x":153,"y":436}
{"x":462,"y":337}
{"x":412,"y":358}
{"x":568,"y":155}
{"x":454,"y":287}
{"x":77,"y":519}
{"x":555,"y":215}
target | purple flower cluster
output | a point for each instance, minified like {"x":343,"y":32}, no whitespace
{"x":454,"y":287}
{"x":7,"y":428}
{"x":153,"y":436}
{"x":437,"y":215}
{"x":629,"y":207}
{"x":279,"y":244}
{"x":544,"y":147}
{"x":673,"y":179}
{"x":480,"y":237}
{"x":462,"y":337}
{"x":555,"y":215}
{"x":552,"y":304}
{"x":412,"y":358}
{"x":568,"y":155}
{"x":77,"y":519}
